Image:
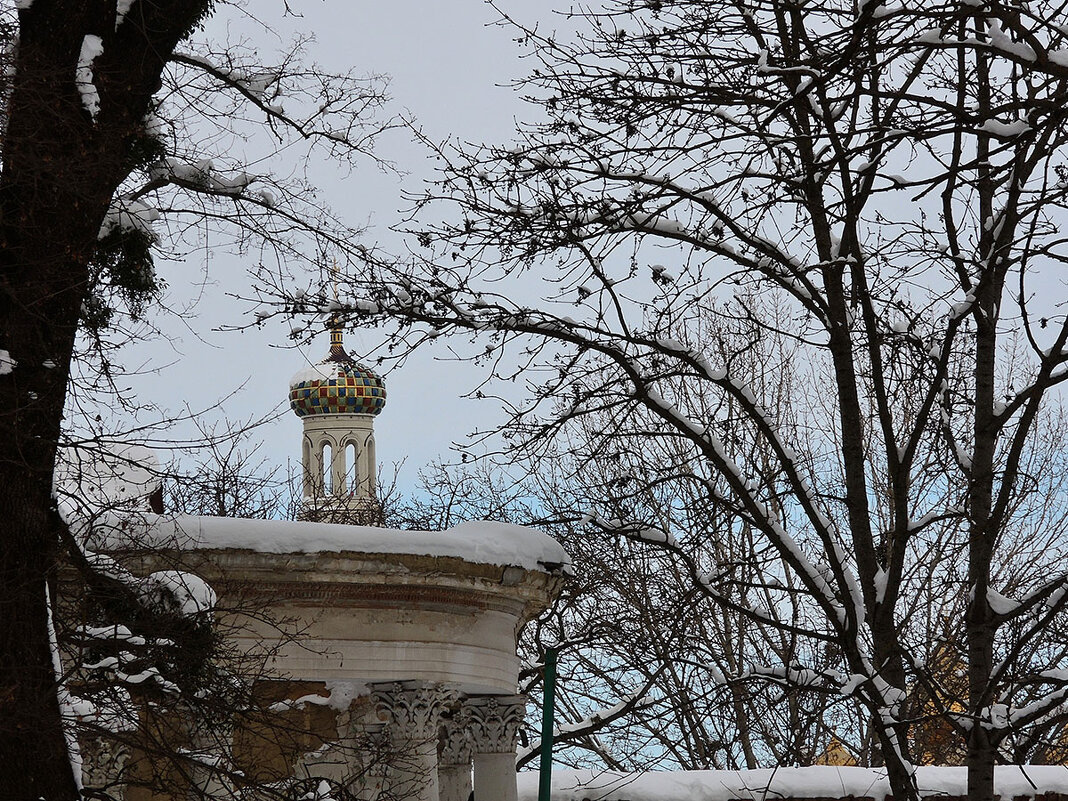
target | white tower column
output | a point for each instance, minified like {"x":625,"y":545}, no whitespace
{"x":352,"y":466}
{"x":413,"y":713}
{"x":495,"y":722}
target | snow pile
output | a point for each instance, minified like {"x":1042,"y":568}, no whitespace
{"x":263,"y":86}
{"x":1011,"y":781}
{"x":129,"y":215}
{"x":201,"y":174}
{"x":178,"y":592}
{"x":92,"y":46}
{"x":339,"y":697}
{"x":322,"y":371}
{"x":322,"y":791}
{"x":478,"y":542}
{"x":114,"y":711}
{"x":7,"y":364}
{"x":101,"y":476}
{"x":1004,"y":130}
{"x":122,"y":8}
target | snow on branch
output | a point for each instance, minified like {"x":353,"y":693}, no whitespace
{"x":92,"y":47}
{"x":796,"y":676}
{"x":632,"y":530}
{"x":122,"y":8}
{"x":254,"y":85}
{"x":128,"y":214}
{"x":339,"y":110}
{"x":202,"y":176}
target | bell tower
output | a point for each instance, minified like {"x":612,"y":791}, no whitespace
{"x":338,"y":399}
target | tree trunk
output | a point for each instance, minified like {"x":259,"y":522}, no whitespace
{"x":33,"y":750}
{"x":60,"y":170}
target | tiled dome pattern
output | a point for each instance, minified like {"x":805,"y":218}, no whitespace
{"x":340,"y":387}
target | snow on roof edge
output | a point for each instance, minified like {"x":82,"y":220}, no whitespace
{"x":476,"y":541}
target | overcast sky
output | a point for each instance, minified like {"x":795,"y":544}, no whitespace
{"x":448,"y":67}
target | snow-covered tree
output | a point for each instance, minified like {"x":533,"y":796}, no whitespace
{"x":893,"y":176}
{"x":652,"y":673}
{"x":123,"y":138}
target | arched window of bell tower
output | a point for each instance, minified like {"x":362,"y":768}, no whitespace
{"x":352,"y":465}
{"x":309,"y":470}
{"x":326,"y":460}
{"x":370,"y":464}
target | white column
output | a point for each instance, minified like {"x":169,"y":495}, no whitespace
{"x":104,"y":762}
{"x":371,"y":764}
{"x":454,"y":756}
{"x":338,"y":482}
{"x":211,"y":751}
{"x":495,"y":722}
{"x":335,"y":759}
{"x":412,"y":710}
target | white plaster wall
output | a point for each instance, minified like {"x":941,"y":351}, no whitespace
{"x":475,"y":651}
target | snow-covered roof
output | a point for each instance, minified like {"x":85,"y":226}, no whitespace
{"x":478,"y":542}
{"x":1011,"y":781}
{"x":320,"y":371}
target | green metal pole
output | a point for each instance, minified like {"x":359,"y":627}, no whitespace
{"x":545,"y":770}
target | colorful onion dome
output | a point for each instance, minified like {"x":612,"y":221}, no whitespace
{"x":336,"y":385}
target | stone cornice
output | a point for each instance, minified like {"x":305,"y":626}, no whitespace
{"x":347,"y":579}
{"x":320,"y":595}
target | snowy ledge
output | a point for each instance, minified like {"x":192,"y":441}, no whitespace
{"x":1011,"y":781}
{"x":478,"y":542}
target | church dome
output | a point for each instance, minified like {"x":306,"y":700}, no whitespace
{"x":336,"y":385}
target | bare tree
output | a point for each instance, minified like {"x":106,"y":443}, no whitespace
{"x":222,"y":475}
{"x":117,"y":147}
{"x":652,"y":673}
{"x":893,"y":177}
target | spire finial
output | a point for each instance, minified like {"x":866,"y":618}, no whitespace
{"x":336,"y":349}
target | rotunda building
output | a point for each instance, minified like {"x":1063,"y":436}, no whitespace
{"x":400,"y":641}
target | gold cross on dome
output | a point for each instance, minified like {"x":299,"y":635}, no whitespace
{"x":336,"y":348}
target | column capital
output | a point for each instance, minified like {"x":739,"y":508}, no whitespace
{"x":413,"y":707}
{"x":455,"y":746}
{"x":495,"y":722}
